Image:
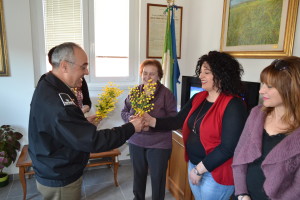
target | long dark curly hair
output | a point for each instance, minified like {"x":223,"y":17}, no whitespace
{"x":227,"y":72}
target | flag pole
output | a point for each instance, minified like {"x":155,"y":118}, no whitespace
{"x":170,"y":2}
{"x":169,"y":58}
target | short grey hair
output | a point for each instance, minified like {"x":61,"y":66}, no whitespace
{"x":64,"y":51}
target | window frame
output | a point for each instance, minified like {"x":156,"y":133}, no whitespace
{"x":94,"y":83}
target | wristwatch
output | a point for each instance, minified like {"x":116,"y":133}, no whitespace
{"x":197,"y":172}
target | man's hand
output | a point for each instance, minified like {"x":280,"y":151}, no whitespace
{"x":132,"y":117}
{"x":94,"y":120}
{"x":146,"y":128}
{"x":85,"y":109}
{"x":138,"y":123}
{"x":145,"y":125}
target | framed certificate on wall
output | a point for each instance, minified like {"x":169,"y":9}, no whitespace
{"x":156,"y":29}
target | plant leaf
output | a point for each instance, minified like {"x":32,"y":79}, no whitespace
{"x":18,"y":135}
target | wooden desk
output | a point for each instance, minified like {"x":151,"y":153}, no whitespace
{"x":96,"y":159}
{"x":177,"y":175}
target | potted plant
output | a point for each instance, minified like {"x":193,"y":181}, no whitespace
{"x":9,"y":146}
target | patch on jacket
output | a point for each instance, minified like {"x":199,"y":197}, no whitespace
{"x":66,"y":99}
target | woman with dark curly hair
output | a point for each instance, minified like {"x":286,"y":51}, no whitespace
{"x":211,"y":122}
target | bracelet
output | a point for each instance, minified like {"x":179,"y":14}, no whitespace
{"x":197,"y":172}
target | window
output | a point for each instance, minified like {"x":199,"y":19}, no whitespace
{"x":62,"y":22}
{"x":106,"y":29}
{"x":112,"y":45}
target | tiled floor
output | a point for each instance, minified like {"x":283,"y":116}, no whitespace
{"x":97,"y":184}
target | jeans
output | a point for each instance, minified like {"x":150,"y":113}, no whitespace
{"x":208,"y":188}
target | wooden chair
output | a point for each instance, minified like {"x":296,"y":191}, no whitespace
{"x":109,"y":158}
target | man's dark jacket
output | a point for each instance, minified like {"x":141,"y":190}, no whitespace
{"x":60,"y":137}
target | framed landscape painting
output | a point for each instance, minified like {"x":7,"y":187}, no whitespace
{"x":259,"y":28}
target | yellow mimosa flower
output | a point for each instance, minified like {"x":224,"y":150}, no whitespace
{"x":107,"y":100}
{"x":140,"y":99}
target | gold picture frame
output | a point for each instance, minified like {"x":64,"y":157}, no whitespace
{"x":4,"y":68}
{"x":156,"y":29}
{"x":250,"y":31}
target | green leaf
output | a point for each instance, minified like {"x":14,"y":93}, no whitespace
{"x":9,"y":145}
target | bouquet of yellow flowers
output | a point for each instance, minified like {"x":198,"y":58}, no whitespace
{"x":140,"y":100}
{"x":107,"y":100}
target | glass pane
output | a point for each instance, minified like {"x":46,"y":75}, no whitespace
{"x":111,"y":38}
{"x":111,"y":27}
{"x":112,"y":67}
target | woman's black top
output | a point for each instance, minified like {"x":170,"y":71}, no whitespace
{"x":255,"y":177}
{"x":85,"y":93}
{"x":232,"y":125}
{"x":194,"y":147}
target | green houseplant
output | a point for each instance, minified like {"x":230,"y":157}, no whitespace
{"x":9,"y":146}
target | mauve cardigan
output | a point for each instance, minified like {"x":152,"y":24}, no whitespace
{"x":281,"y":166}
{"x":164,"y":106}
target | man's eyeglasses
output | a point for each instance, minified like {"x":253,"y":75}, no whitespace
{"x":280,"y":64}
{"x":83,"y":67}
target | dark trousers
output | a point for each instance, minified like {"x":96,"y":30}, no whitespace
{"x":156,"y":160}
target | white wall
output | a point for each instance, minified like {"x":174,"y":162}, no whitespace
{"x":201,"y":32}
{"x":16,"y":90}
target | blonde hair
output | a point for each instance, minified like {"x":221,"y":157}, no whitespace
{"x":284,"y":75}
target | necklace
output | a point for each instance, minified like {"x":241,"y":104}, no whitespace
{"x":198,"y":119}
